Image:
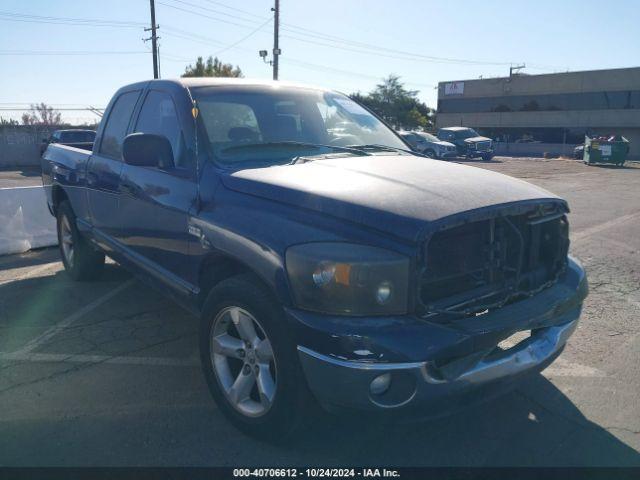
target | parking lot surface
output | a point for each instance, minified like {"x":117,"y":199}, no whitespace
{"x":106,"y":373}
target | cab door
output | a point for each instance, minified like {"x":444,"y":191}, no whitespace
{"x":156,"y":202}
{"x":105,"y":166}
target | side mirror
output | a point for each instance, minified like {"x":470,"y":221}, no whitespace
{"x":147,"y":150}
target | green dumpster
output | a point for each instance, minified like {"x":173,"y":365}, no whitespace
{"x":606,"y":150}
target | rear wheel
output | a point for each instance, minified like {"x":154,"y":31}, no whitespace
{"x":80,"y":259}
{"x":250,"y":361}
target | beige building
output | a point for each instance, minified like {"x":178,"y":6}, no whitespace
{"x":550,"y":112}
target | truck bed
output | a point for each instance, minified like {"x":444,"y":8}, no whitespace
{"x":67,"y":165}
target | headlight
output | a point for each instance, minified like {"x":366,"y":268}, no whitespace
{"x":348,"y":279}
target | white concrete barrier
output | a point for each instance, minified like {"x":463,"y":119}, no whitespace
{"x":25,"y":221}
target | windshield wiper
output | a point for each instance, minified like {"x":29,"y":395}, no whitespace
{"x":383,"y":148}
{"x":318,"y":146}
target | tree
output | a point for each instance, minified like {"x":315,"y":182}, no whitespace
{"x":42,"y":115}
{"x":212,"y":68}
{"x":397,"y":105}
{"x":10,"y":121}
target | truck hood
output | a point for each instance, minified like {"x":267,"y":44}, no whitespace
{"x":477,"y":139}
{"x":401,"y":195}
{"x":442,"y":143}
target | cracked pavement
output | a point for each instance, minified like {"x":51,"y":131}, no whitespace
{"x":120,"y":385}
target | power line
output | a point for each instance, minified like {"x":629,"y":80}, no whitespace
{"x":250,"y":34}
{"x":67,"y":52}
{"x":199,"y":14}
{"x":176,"y":32}
{"x":234,"y":8}
{"x":335,"y":41}
{"x":93,"y":22}
{"x":324,"y":68}
{"x":207,"y":9}
{"x":348,"y":45}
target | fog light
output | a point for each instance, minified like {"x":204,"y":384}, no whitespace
{"x":383,"y":294}
{"x":380,"y":384}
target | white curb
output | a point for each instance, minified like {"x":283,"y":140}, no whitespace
{"x":25,"y":220}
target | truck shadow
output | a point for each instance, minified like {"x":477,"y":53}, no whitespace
{"x":535,"y":425}
{"x":543,"y":429}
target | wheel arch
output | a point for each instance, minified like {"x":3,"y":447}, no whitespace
{"x":58,"y":195}
{"x":220,"y":266}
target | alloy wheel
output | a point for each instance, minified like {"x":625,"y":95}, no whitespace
{"x":243,"y":361}
{"x":66,"y":238}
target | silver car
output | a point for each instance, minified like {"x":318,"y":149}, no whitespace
{"x":430,"y":145}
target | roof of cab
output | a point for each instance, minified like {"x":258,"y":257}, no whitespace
{"x":190,"y":82}
{"x":455,"y":129}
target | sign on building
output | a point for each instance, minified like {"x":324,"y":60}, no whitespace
{"x":454,"y":88}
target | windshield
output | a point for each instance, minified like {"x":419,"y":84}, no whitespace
{"x":80,"y":136}
{"x":467,"y":133}
{"x":274,"y":126}
{"x":429,"y":137}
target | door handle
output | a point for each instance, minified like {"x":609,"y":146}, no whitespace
{"x":92,"y":179}
{"x":130,"y":188}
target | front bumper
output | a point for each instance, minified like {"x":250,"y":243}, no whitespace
{"x":479,"y":153}
{"x":448,"y":154}
{"x":456,"y":363}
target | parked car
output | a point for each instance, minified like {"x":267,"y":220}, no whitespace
{"x":423,"y":142}
{"x":344,"y":272}
{"x":468,"y":142}
{"x":73,"y":137}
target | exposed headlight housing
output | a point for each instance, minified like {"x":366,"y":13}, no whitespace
{"x":348,"y":279}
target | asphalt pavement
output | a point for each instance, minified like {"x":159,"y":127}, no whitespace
{"x":106,"y":373}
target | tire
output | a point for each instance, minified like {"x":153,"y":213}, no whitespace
{"x":80,"y":259}
{"x":487,"y":157}
{"x":265,"y":397}
{"x":430,"y":153}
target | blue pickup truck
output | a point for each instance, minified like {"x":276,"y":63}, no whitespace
{"x":328,"y":264}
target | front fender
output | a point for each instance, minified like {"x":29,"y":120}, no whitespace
{"x":256,"y":232}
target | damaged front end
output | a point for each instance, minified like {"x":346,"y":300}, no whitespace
{"x":492,"y":258}
{"x":483,"y":277}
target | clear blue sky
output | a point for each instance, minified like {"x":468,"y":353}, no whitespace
{"x":547,"y":35}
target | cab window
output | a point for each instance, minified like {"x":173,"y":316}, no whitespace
{"x":117,"y":123}
{"x":158,"y":116}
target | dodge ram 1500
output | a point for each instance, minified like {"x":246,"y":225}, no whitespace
{"x":325,"y":263}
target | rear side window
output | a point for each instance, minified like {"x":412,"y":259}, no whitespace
{"x":158,"y":116}
{"x":116,"y":127}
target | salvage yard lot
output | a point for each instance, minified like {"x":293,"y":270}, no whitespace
{"x":106,"y":373}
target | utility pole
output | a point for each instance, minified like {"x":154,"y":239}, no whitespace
{"x":276,"y":34}
{"x":154,"y":38}
{"x":515,"y":69}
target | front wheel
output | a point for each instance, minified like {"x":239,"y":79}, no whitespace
{"x":250,"y":361}
{"x":430,"y":153}
{"x":80,"y":259}
{"x":487,"y":157}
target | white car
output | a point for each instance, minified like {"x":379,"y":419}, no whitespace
{"x":428,"y":144}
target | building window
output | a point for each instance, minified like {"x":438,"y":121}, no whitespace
{"x":621,"y":100}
